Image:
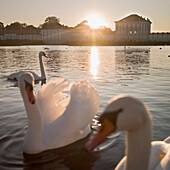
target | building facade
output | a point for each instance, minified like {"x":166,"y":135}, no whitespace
{"x":159,"y":37}
{"x":133,"y":28}
{"x":55,"y":36}
{"x":20,"y":35}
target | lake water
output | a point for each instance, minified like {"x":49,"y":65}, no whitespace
{"x":145,"y":74}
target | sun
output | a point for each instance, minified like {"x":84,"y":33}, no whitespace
{"x":95,"y":21}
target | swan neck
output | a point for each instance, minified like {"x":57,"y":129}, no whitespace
{"x":42,"y":67}
{"x":138,"y":147}
{"x":32,"y":141}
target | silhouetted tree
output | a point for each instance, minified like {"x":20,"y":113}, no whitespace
{"x":52,"y":23}
{"x":16,"y":26}
{"x":1,"y":25}
{"x":31,"y":27}
{"x":52,"y":19}
{"x":20,"y":26}
{"x":83,"y":25}
{"x":105,"y":29}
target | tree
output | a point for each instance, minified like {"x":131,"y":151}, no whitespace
{"x":31,"y":27}
{"x":52,"y":19}
{"x":20,"y":26}
{"x":51,"y":23}
{"x":1,"y":26}
{"x":16,"y":26}
{"x":105,"y":30}
{"x":83,"y":25}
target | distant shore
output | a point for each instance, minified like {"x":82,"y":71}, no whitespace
{"x":80,"y":43}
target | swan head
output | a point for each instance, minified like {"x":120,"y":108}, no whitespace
{"x":26,"y":84}
{"x":41,"y":53}
{"x":123,"y":113}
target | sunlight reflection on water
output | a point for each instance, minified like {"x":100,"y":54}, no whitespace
{"x":94,"y":61}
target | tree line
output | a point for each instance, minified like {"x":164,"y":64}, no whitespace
{"x":24,"y":26}
{"x":50,"y":22}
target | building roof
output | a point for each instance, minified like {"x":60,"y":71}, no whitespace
{"x":133,"y":18}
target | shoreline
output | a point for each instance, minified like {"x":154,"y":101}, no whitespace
{"x":82,"y":43}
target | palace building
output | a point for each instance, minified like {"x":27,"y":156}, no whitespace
{"x":133,"y":28}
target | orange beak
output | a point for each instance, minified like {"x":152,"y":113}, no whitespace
{"x":101,"y":135}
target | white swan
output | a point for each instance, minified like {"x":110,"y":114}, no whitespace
{"x":53,"y":122}
{"x":15,"y":76}
{"x":126,"y":113}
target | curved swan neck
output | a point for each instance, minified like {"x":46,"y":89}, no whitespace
{"x":42,"y":67}
{"x":138,"y":147}
{"x":32,"y":141}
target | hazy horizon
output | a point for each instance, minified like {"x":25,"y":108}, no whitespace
{"x":72,"y":12}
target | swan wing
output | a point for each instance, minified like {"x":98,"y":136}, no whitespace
{"x":51,"y":98}
{"x":66,"y":119}
{"x":164,"y":163}
{"x":83,"y":106}
{"x":160,"y":155}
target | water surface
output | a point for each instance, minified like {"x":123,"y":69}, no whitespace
{"x":145,"y":74}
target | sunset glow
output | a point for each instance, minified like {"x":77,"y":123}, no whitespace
{"x":95,"y":21}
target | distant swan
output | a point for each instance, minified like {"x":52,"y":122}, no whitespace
{"x":126,"y":113}
{"x":53,"y":122}
{"x":15,"y":76}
